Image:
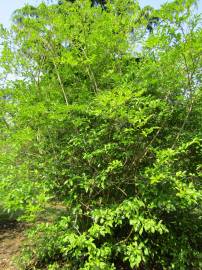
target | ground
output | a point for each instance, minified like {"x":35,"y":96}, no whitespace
{"x":12,"y":233}
{"x":11,"y":237}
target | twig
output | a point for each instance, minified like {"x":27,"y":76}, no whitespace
{"x":122,"y":191}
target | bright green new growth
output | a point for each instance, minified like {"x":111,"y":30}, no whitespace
{"x":103,"y":117}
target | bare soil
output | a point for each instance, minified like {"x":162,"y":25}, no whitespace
{"x":11,"y":237}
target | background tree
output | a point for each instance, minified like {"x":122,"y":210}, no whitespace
{"x":115,"y":142}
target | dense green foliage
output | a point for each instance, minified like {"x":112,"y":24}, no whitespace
{"x":101,"y":116}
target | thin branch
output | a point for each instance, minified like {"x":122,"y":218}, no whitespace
{"x":89,"y":69}
{"x":91,"y":73}
{"x":57,"y":72}
{"x":60,"y":82}
{"x":190,"y":107}
{"x":154,"y":137}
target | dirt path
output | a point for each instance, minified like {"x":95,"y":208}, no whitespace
{"x":11,"y":236}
